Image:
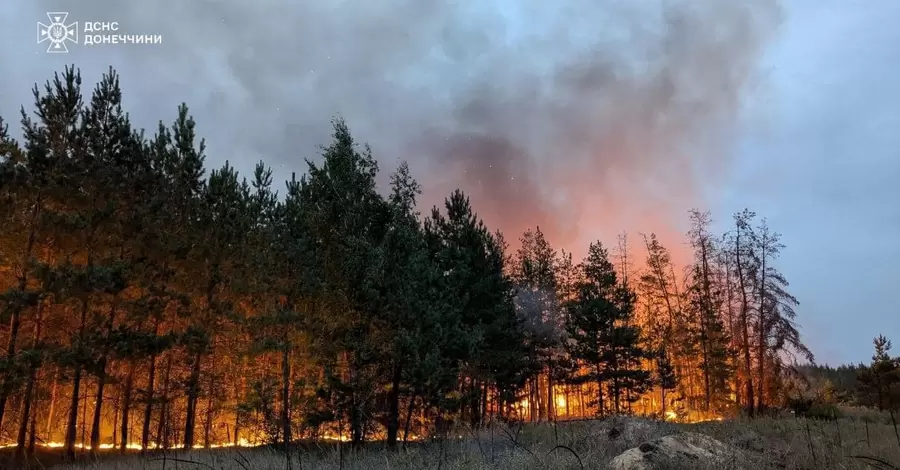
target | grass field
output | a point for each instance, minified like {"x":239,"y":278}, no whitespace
{"x":858,"y":442}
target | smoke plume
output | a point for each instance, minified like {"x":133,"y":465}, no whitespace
{"x":584,"y":117}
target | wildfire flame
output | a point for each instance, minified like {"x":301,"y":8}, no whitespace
{"x":137,"y":446}
{"x":328,"y":436}
{"x":561,"y":401}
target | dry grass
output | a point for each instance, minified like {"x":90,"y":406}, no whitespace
{"x":779,"y":443}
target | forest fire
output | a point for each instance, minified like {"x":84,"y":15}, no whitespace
{"x":137,"y":446}
{"x":215,"y":313}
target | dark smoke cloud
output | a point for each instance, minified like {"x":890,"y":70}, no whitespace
{"x":585,"y":117}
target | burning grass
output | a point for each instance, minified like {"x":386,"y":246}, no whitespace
{"x":851,"y":442}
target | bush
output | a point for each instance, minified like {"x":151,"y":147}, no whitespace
{"x":814,"y":409}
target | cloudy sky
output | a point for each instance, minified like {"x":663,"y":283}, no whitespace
{"x":585,"y":117}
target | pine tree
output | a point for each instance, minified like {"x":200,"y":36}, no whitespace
{"x":113,"y":163}
{"x":32,"y":184}
{"x":276,"y":282}
{"x":705,"y":305}
{"x":540,"y":310}
{"x":347,"y":220}
{"x":664,"y":313}
{"x":473,"y":264}
{"x":659,"y":289}
{"x":740,"y":259}
{"x":601,"y":336}
{"x":879,"y":383}
{"x":223,"y":225}
{"x":170,"y":214}
{"x":776,"y":329}
{"x":405,"y":253}
{"x":412,"y":315}
{"x":79,"y":158}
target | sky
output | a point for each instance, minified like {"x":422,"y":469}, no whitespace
{"x":586,"y":117}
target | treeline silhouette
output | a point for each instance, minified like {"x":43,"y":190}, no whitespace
{"x":874,"y":385}
{"x":150,"y":303}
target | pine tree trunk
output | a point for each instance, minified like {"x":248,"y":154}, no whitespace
{"x":705,"y":314}
{"x":162,"y":430}
{"x":26,"y":415}
{"x":286,"y":394}
{"x":84,"y":440}
{"x":101,"y":380}
{"x":193,"y":389}
{"x":207,"y":425}
{"x":707,"y":391}
{"x":52,"y":407}
{"x":581,"y":401}
{"x":193,"y":393}
{"x":33,"y":431}
{"x":761,"y":337}
{"x":663,"y":401}
{"x":538,"y":393}
{"x":237,"y":415}
{"x":745,"y":307}
{"x":72,"y":423}
{"x":126,"y":406}
{"x":410,"y":407}
{"x":732,"y":329}
{"x":115,"y":420}
{"x":356,"y":424}
{"x":551,"y":404}
{"x":628,"y":397}
{"x":394,"y":408}
{"x":98,"y":407}
{"x":29,"y":397}
{"x":616,"y":394}
{"x":484,"y":403}
{"x":148,"y":406}
{"x":475,"y":403}
{"x":600,"y":407}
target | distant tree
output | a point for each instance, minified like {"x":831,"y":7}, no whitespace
{"x":879,"y":384}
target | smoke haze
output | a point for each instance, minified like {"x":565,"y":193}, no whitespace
{"x":586,"y":117}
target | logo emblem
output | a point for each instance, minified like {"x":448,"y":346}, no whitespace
{"x":57,"y":32}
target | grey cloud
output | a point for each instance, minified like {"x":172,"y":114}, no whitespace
{"x":569,"y":116}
